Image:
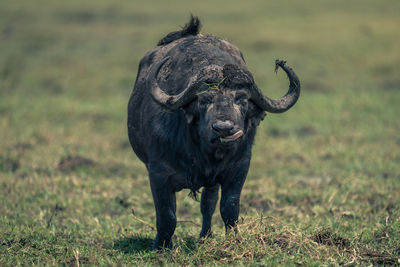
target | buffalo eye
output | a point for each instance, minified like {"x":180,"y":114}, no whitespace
{"x":241,"y":99}
{"x":205,"y":101}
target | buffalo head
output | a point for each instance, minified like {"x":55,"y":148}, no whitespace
{"x":223,"y":102}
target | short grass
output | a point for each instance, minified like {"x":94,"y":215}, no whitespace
{"x":324,"y":184}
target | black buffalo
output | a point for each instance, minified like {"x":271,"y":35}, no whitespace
{"x":192,"y":118}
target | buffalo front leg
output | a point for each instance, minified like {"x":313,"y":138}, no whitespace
{"x":229,"y":207}
{"x":209,"y":199}
{"x":165,"y":205}
{"x":230,"y":197}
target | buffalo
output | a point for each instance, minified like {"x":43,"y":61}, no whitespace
{"x":192,"y":119}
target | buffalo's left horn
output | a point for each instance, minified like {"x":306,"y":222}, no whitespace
{"x":284,"y":103}
{"x":166,"y":100}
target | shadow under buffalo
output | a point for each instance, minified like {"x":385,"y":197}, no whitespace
{"x":136,"y":244}
{"x":133,"y":244}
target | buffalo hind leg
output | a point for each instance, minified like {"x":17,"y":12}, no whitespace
{"x":209,"y":199}
{"x":165,"y":204}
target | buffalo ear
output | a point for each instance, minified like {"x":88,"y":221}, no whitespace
{"x":256,"y":114}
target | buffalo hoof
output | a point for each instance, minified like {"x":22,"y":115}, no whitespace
{"x":161,"y":245}
{"x":206,"y":234}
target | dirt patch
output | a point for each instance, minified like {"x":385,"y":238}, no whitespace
{"x":275,"y":132}
{"x":123,"y":202}
{"x":378,"y":258}
{"x":328,"y":238}
{"x":70,"y":163}
{"x":8,"y":164}
{"x":22,"y":146}
{"x":305,"y":131}
{"x":282,"y":241}
{"x":327,"y":156}
{"x":73,"y":261}
{"x":302,"y":132}
{"x":393,"y":84}
{"x":52,"y":86}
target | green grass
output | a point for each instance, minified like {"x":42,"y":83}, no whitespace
{"x":324,"y":184}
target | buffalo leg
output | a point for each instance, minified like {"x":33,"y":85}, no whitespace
{"x":230,"y":196}
{"x":209,"y":199}
{"x":165,"y":204}
{"x":229,"y":208}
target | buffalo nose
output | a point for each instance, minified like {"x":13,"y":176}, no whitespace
{"x":223,"y":126}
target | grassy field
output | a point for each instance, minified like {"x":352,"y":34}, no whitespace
{"x":324,"y":184}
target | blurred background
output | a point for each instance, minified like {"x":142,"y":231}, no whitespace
{"x":67,"y":70}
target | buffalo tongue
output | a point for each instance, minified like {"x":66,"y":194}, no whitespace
{"x":232,"y":137}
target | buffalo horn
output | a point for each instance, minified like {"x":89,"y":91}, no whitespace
{"x":284,"y":103}
{"x":166,"y":100}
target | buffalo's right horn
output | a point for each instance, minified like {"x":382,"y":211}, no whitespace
{"x":166,"y":100}
{"x":284,"y":103}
